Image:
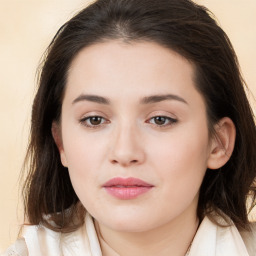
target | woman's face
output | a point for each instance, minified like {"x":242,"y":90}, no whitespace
{"x":134,"y":134}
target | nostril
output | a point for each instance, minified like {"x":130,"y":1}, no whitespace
{"x":123,"y":162}
{"x":114,"y":161}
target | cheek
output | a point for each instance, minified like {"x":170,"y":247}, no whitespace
{"x":181,"y":158}
{"x":180,"y":150}
{"x":83,"y":165}
{"x":83,"y":150}
{"x":84,"y":156}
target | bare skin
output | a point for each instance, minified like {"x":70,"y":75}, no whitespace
{"x":133,"y":110}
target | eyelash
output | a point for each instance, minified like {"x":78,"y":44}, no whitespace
{"x":168,"y":121}
{"x":84,"y":121}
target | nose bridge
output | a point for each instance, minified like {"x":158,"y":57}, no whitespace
{"x":126,"y":148}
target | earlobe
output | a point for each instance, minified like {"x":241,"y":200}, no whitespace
{"x":222,"y":144}
{"x":56,"y":134}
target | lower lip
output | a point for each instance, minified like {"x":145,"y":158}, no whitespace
{"x":127,"y":193}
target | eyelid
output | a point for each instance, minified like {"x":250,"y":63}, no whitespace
{"x":171,"y":121}
{"x":83,"y":120}
{"x":87,"y":114}
{"x":171,"y":117}
{"x":162,"y":113}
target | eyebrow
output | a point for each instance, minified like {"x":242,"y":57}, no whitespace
{"x":145,"y":100}
{"x":92,"y":98}
{"x":159,"y":98}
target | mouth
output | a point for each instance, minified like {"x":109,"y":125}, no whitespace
{"x":127,"y":188}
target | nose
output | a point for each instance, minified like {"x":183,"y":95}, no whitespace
{"x":126,"y":147}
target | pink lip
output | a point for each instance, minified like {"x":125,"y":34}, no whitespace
{"x":126,"y":188}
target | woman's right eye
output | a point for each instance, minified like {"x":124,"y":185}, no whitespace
{"x":93,"y":121}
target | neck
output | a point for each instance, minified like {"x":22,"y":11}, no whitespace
{"x":175,"y":237}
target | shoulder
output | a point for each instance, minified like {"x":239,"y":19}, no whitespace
{"x":249,"y":238}
{"x":19,"y":248}
{"x":41,"y":241}
{"x":223,"y":239}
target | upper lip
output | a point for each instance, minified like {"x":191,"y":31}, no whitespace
{"x":126,"y":182}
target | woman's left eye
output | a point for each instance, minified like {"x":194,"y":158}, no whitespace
{"x":162,"y":120}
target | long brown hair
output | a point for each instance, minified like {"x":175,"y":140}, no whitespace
{"x":182,"y":26}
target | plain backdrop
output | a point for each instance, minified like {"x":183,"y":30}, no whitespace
{"x":26,"y":29}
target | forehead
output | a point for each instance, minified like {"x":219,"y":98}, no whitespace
{"x":143,"y":53}
{"x":140,"y":67}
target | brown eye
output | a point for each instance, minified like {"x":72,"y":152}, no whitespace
{"x":95,"y":120}
{"x":162,"y":121}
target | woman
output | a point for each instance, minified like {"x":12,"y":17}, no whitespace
{"x":142,"y":138}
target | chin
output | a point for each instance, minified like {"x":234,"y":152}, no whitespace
{"x":129,"y":222}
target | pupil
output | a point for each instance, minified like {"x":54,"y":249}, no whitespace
{"x":159,"y":120}
{"x":95,"y":120}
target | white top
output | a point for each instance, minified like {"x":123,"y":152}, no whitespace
{"x":210,"y":240}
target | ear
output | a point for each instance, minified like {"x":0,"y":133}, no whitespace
{"x":56,"y":134}
{"x":222,"y":144}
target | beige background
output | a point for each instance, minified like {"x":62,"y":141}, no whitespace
{"x":26,"y":28}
